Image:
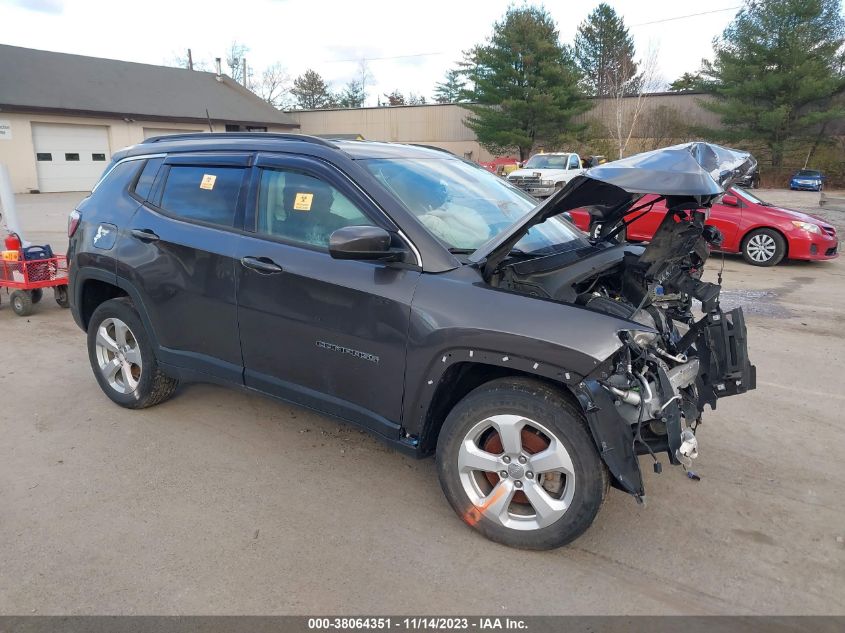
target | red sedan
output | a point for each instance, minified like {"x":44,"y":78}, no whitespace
{"x":762,"y":233}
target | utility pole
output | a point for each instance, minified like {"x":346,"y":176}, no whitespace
{"x":243,"y":71}
{"x":190,"y":60}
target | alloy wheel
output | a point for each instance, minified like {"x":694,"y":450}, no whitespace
{"x":761,"y":247}
{"x":118,"y":355}
{"x":516,"y":472}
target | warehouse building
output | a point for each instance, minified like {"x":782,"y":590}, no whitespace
{"x":62,"y":116}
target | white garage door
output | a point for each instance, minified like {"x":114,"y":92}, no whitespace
{"x":162,"y":131}
{"x":69,"y":157}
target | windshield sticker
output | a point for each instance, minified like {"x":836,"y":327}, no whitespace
{"x":208,"y":181}
{"x":303,"y":201}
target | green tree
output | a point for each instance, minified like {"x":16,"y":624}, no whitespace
{"x":449,"y":90}
{"x":777,"y":72}
{"x":524,"y":84}
{"x":352,"y":96}
{"x":687,"y":81}
{"x":604,"y":52}
{"x":311,"y":91}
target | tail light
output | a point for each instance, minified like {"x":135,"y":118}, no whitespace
{"x":73,"y":222}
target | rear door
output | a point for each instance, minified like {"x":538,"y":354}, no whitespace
{"x":326,"y":333}
{"x":178,"y":256}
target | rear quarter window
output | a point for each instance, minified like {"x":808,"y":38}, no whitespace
{"x":205,"y":194}
{"x":116,"y":181}
{"x":147,"y":177}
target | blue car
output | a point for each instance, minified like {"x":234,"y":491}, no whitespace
{"x":807,"y":179}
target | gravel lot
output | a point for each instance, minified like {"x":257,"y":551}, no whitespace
{"x":221,"y":502}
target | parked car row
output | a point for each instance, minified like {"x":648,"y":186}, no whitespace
{"x":545,"y":172}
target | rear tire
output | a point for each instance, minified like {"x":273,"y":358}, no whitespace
{"x":763,"y":247}
{"x":21,"y":302}
{"x":532,"y":497}
{"x":122,"y":357}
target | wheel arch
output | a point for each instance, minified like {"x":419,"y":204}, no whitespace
{"x":93,"y":287}
{"x":455,"y":373}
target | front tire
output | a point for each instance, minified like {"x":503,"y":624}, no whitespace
{"x":517,"y":463}
{"x":122,"y":357}
{"x":763,"y":247}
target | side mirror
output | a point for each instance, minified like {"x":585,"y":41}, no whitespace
{"x":730,"y":201}
{"x":363,"y":243}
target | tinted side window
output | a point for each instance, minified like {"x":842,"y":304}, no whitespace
{"x":208,"y":194}
{"x":302,"y":208}
{"x":574,"y":163}
{"x":145,"y":180}
{"x":117,"y":180}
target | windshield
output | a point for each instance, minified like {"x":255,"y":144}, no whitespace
{"x":749,"y":197}
{"x":808,"y":173}
{"x":464,"y":205}
{"x":547,"y":161}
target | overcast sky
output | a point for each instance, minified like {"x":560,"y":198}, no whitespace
{"x":409,"y":45}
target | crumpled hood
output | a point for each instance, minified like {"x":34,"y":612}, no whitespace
{"x":702,"y":171}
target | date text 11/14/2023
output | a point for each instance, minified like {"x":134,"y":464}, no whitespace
{"x":416,"y":623}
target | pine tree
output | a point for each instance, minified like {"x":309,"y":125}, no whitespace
{"x":311,"y":91}
{"x":777,"y":72}
{"x":352,"y":96}
{"x":604,"y":52}
{"x":449,"y":90}
{"x":687,"y":81}
{"x":524,"y":84}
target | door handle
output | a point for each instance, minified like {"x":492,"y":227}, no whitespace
{"x":145,"y":235}
{"x":263,"y":265}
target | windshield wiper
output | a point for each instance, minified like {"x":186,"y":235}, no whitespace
{"x":469,"y":251}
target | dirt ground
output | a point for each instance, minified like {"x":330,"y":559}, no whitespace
{"x":221,"y":502}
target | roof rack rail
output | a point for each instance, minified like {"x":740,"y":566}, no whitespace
{"x":305,"y":138}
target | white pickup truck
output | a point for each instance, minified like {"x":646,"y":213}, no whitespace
{"x":543,"y":174}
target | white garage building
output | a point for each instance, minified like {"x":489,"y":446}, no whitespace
{"x":62,"y":116}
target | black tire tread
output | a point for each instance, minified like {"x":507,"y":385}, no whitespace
{"x":161,"y":386}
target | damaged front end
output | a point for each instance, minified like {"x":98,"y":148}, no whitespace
{"x":650,"y":396}
{"x":682,"y":351}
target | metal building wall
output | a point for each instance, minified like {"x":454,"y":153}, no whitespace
{"x":442,"y":125}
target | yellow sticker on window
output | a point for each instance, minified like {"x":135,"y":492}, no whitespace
{"x":303,"y":201}
{"x":208,"y":181}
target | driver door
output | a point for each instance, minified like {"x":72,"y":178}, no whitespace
{"x":325,"y":333}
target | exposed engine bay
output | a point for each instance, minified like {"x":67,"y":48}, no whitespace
{"x":682,"y":351}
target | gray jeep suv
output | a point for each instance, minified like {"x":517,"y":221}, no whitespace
{"x":416,"y":295}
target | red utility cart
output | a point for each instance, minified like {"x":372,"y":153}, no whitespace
{"x":27,"y":278}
